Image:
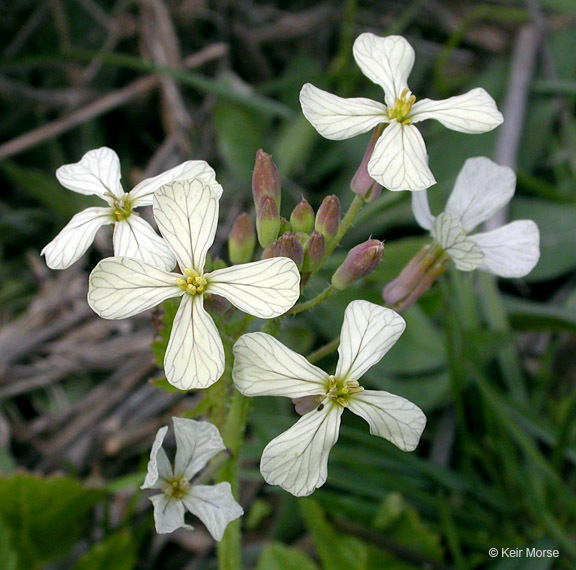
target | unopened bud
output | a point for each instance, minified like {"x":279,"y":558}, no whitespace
{"x":362,"y":183}
{"x":416,"y":278}
{"x":267,"y":221}
{"x":302,"y":217}
{"x":242,"y":240}
{"x":314,"y":252}
{"x":265,"y":180}
{"x":287,"y":245}
{"x":328,"y":219}
{"x":360,"y":261}
{"x":284,"y":226}
{"x":216,"y":305}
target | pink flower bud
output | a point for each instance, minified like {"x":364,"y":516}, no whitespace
{"x":265,"y":180}
{"x":328,"y":219}
{"x":314,"y":252}
{"x":360,"y":261}
{"x":302,"y":218}
{"x":242,"y":240}
{"x":267,"y":221}
{"x":287,"y":245}
{"x":362,"y":183}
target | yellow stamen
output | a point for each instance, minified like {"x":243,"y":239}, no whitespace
{"x":402,"y":107}
{"x":192,"y":282}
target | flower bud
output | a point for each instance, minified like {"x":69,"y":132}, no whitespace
{"x":216,"y":305}
{"x":314,"y":252}
{"x":265,"y":180}
{"x":328,"y":219}
{"x":287,"y":245}
{"x":267,"y":221}
{"x":416,"y":278}
{"x":284,"y":226}
{"x":362,"y":183}
{"x":302,"y":217}
{"x":242,"y":240}
{"x":360,"y":261}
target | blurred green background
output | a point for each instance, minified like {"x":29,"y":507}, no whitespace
{"x":492,"y":364}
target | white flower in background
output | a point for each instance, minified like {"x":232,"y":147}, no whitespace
{"x":297,"y":460}
{"x":482,"y":188}
{"x":399,"y":160}
{"x":214,"y":505}
{"x":186,"y":212}
{"x":98,"y":173}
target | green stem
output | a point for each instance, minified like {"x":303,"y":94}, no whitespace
{"x":323,"y":351}
{"x":328,"y":292}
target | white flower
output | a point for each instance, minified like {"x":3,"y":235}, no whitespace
{"x":482,"y":188}
{"x":186,"y":212}
{"x":297,"y":460}
{"x":99,"y":173}
{"x":214,"y":505}
{"x":399,"y":160}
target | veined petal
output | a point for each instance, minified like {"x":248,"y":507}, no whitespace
{"x":214,"y":505}
{"x":142,"y":193}
{"x":196,"y":444}
{"x":168,"y":514}
{"x":263,"y":366}
{"x":297,"y":460}
{"x":473,"y":112}
{"x":421,"y":209}
{"x":448,"y":232}
{"x":98,"y":172}
{"x":369,"y":331}
{"x":186,"y":212}
{"x":195,"y":355}
{"x":265,"y":289}
{"x":135,"y":238}
{"x":510,"y":251}
{"x":336,"y":118}
{"x":385,"y":61}
{"x":481,"y":189}
{"x":399,"y":160}
{"x":391,"y":417}
{"x":75,"y":238}
{"x":159,"y":468}
{"x":120,"y":287}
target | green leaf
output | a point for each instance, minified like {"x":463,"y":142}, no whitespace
{"x":8,"y":556}
{"x":276,"y":556}
{"x":117,"y":552}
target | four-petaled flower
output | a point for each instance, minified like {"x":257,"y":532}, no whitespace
{"x":482,"y":188}
{"x":186,"y":212}
{"x":399,"y":160}
{"x":98,"y":173}
{"x":297,"y":459}
{"x":214,"y":505}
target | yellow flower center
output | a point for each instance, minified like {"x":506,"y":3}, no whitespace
{"x":192,"y":282}
{"x":402,"y":107}
{"x":122,"y":207}
{"x":177,"y":488}
{"x":340,"y":391}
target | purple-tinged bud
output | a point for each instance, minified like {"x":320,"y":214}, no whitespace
{"x":284,"y":226}
{"x":314,"y":252}
{"x":287,"y":245}
{"x":216,"y":305}
{"x":302,"y":238}
{"x":302,"y":217}
{"x":265,"y":180}
{"x":362,"y":183}
{"x":267,"y":221}
{"x":269,"y":251}
{"x":360,"y":261}
{"x":416,"y":278}
{"x":242,"y":240}
{"x":328,"y":219}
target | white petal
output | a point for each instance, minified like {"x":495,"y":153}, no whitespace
{"x":263,"y":366}
{"x":195,"y":355}
{"x":448,"y":232}
{"x":98,"y":172}
{"x":186,"y":212}
{"x":196,"y":444}
{"x":297,"y":460}
{"x":473,"y":112}
{"x":399,"y":160}
{"x":391,"y":417}
{"x":482,"y":188}
{"x":265,"y":289}
{"x":120,"y":287}
{"x":214,"y":505}
{"x":336,"y":118}
{"x":142,"y":193}
{"x":385,"y":61}
{"x":168,"y":514}
{"x":159,"y":468}
{"x":135,"y":238}
{"x":75,"y":238}
{"x":510,"y":251}
{"x":421,"y":209}
{"x":369,"y":331}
